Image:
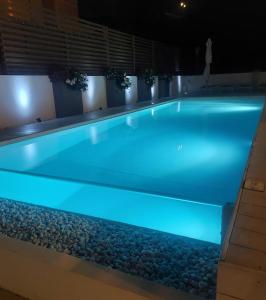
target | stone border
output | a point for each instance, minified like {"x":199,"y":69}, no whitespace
{"x":38,"y":273}
{"x":240,"y":267}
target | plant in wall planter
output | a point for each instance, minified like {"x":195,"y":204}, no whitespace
{"x":76,"y":80}
{"x":121,"y":79}
{"x":117,"y":83}
{"x":111,"y":74}
{"x":166,"y":77}
{"x":146,"y":80}
{"x":149,"y":77}
{"x":68,"y":83}
{"x":73,"y":78}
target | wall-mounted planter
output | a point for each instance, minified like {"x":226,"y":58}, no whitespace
{"x":164,"y":88}
{"x":68,"y":102}
{"x":115,"y":95}
{"x":144,"y":91}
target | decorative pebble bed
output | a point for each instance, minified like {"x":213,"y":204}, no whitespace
{"x":171,"y":260}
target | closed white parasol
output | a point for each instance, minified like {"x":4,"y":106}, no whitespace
{"x":208,"y":60}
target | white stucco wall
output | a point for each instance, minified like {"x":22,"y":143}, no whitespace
{"x":132,"y":92}
{"x":194,"y":83}
{"x":25,"y":98}
{"x":95,"y":96}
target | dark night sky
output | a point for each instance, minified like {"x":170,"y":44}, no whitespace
{"x":237,"y":28}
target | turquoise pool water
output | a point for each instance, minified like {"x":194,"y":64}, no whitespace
{"x":171,"y":167}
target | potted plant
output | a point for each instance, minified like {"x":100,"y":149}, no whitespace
{"x":146,"y":80}
{"x":116,"y":84}
{"x":68,"y":84}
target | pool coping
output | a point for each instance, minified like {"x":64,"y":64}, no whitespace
{"x":36,"y":273}
{"x":20,"y":133}
{"x":81,"y":120}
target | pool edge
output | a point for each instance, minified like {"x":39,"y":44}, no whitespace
{"x":239,"y":276}
{"x":83,"y":123}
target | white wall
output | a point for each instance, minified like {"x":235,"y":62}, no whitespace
{"x":25,"y":98}
{"x":132,"y":92}
{"x":95,"y":96}
{"x":194,"y":83}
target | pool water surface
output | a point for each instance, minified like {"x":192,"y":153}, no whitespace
{"x":171,"y":167}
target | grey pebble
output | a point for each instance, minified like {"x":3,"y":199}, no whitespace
{"x":171,"y":260}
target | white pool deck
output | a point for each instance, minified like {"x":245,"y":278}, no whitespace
{"x":37,"y":273}
{"x":242,"y":269}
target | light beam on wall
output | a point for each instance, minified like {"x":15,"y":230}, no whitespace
{"x":153,"y":92}
{"x":23,"y":98}
{"x":179,"y":83}
{"x":95,"y":95}
{"x":131,"y":93}
{"x":91,"y":102}
{"x":128,"y":95}
{"x":21,"y":89}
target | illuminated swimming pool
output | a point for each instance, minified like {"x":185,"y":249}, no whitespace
{"x":171,"y":167}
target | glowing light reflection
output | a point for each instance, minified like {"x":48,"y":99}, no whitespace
{"x":178,"y":106}
{"x":179,"y":84}
{"x":132,"y":122}
{"x":234,"y":108}
{"x":23,"y":98}
{"x":153,"y":92}
{"x":128,"y":95}
{"x":21,"y":89}
{"x":30,"y":151}
{"x":94,"y":136}
{"x":179,"y":147}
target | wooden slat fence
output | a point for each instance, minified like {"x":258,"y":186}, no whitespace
{"x":31,"y":47}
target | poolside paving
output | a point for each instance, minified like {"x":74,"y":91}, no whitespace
{"x":38,"y":127}
{"x":242,"y":270}
{"x":178,"y":262}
